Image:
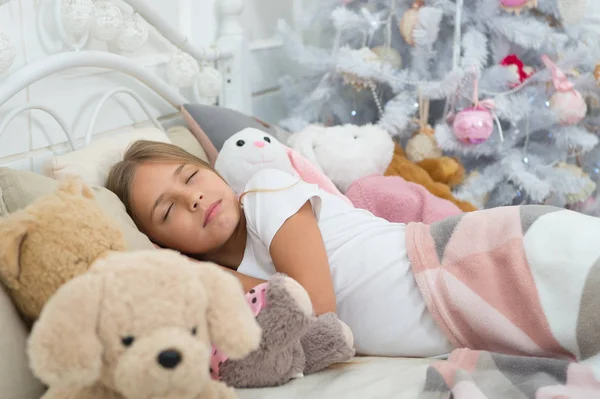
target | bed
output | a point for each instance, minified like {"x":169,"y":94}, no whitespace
{"x":122,"y":98}
{"x":42,"y":140}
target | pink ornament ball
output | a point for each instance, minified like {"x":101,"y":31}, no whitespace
{"x":473,"y":125}
{"x":569,"y":106}
{"x":514,"y":3}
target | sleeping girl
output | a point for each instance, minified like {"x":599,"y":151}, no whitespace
{"x":519,"y":280}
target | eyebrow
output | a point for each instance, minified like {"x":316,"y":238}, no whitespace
{"x":162,"y":196}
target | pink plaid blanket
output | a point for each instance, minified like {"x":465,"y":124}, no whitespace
{"x":519,"y":281}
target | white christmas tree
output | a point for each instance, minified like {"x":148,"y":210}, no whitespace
{"x":508,"y":86}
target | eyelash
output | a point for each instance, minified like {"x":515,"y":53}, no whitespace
{"x":171,"y":206}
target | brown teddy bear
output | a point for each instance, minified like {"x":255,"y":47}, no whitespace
{"x":139,"y":325}
{"x":437,"y":175}
{"x":54,"y":239}
{"x":294,"y":343}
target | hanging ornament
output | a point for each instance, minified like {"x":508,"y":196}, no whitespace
{"x":586,"y":191}
{"x":520,"y":70}
{"x":356,"y":81}
{"x":77,"y":15}
{"x":210,"y":82}
{"x":516,"y":6}
{"x":7,"y":53}
{"x":566,"y":102}
{"x":572,"y":11}
{"x":107,"y":21}
{"x":182,"y":69}
{"x":409,"y":21}
{"x":474,"y":125}
{"x":423,"y":144}
{"x":597,"y":73}
{"x":388,"y":55}
{"x":133,"y":36}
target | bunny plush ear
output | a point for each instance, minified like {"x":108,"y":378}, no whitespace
{"x":75,"y":186}
{"x":304,"y":142}
{"x":311,"y":174}
{"x":231,"y":323}
{"x":63,"y":348}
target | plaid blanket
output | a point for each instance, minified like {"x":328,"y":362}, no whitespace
{"x":522,"y":282}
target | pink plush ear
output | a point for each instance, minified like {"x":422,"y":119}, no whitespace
{"x":311,"y":174}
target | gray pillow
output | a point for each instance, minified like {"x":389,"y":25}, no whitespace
{"x":213,"y":125}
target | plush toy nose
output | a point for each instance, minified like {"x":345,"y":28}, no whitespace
{"x":259,"y":144}
{"x":169,"y":358}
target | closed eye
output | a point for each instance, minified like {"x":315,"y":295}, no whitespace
{"x":167,"y":212}
{"x":191,"y":176}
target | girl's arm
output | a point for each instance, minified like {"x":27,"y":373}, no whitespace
{"x":298,"y":250}
{"x":247,"y":282}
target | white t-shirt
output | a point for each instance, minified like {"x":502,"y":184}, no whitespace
{"x":376,"y":293}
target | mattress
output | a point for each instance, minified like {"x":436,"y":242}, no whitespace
{"x":361,"y":378}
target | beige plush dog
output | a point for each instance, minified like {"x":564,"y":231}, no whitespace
{"x":54,"y":239}
{"x":139,"y":325}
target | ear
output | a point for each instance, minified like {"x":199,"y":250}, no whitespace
{"x":76,"y":186}
{"x":13,"y":230}
{"x":312,"y":174}
{"x":304,"y":141}
{"x":231,"y":323}
{"x":63,"y":348}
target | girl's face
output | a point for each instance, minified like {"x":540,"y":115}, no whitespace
{"x":185,"y":207}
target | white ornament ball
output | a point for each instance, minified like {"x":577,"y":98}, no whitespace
{"x":210,"y":82}
{"x":77,"y":15}
{"x":133,"y":36}
{"x":388,"y":55}
{"x":7,"y":53}
{"x":182,"y":70}
{"x":572,"y":11}
{"x":107,"y":22}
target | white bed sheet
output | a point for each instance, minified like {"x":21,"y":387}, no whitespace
{"x":364,"y":377}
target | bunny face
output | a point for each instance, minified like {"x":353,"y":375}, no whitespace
{"x":248,"y":152}
{"x":346,"y":153}
{"x":142,"y":324}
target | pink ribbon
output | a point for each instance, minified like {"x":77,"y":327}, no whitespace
{"x":561,"y":83}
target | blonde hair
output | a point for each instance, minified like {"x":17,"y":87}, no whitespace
{"x":120,"y":176}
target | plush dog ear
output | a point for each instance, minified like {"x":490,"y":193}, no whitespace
{"x":75,"y":186}
{"x":63,"y":348}
{"x":231,"y":323}
{"x":13,"y":230}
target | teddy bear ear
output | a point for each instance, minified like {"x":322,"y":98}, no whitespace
{"x":13,"y":230}
{"x":75,"y":186}
{"x":231,"y":323}
{"x":63,"y":347}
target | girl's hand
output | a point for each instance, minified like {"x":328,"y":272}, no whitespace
{"x":298,"y":250}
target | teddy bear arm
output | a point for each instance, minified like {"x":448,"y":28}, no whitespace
{"x":287,"y":315}
{"x":326,"y":343}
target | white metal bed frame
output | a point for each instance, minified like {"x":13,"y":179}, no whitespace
{"x":230,"y":53}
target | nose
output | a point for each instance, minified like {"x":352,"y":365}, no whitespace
{"x":194,"y":200}
{"x":169,"y":358}
{"x":259,"y":144}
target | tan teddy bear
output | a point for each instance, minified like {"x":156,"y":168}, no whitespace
{"x":141,"y":325}
{"x":54,"y":239}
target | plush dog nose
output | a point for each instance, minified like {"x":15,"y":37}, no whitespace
{"x":259,"y":144}
{"x":169,"y":358}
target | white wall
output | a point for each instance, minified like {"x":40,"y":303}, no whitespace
{"x":32,"y":30}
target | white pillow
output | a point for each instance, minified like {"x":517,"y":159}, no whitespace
{"x":93,"y":162}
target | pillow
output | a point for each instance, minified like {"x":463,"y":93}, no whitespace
{"x":213,"y":125}
{"x":20,"y":188}
{"x":182,"y":137}
{"x":93,"y":162}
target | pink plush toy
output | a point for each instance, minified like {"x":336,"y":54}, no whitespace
{"x":251,"y":150}
{"x":396,"y":200}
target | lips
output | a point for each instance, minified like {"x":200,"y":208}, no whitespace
{"x":211,"y":212}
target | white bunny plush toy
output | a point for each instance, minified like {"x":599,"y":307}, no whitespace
{"x":251,"y":150}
